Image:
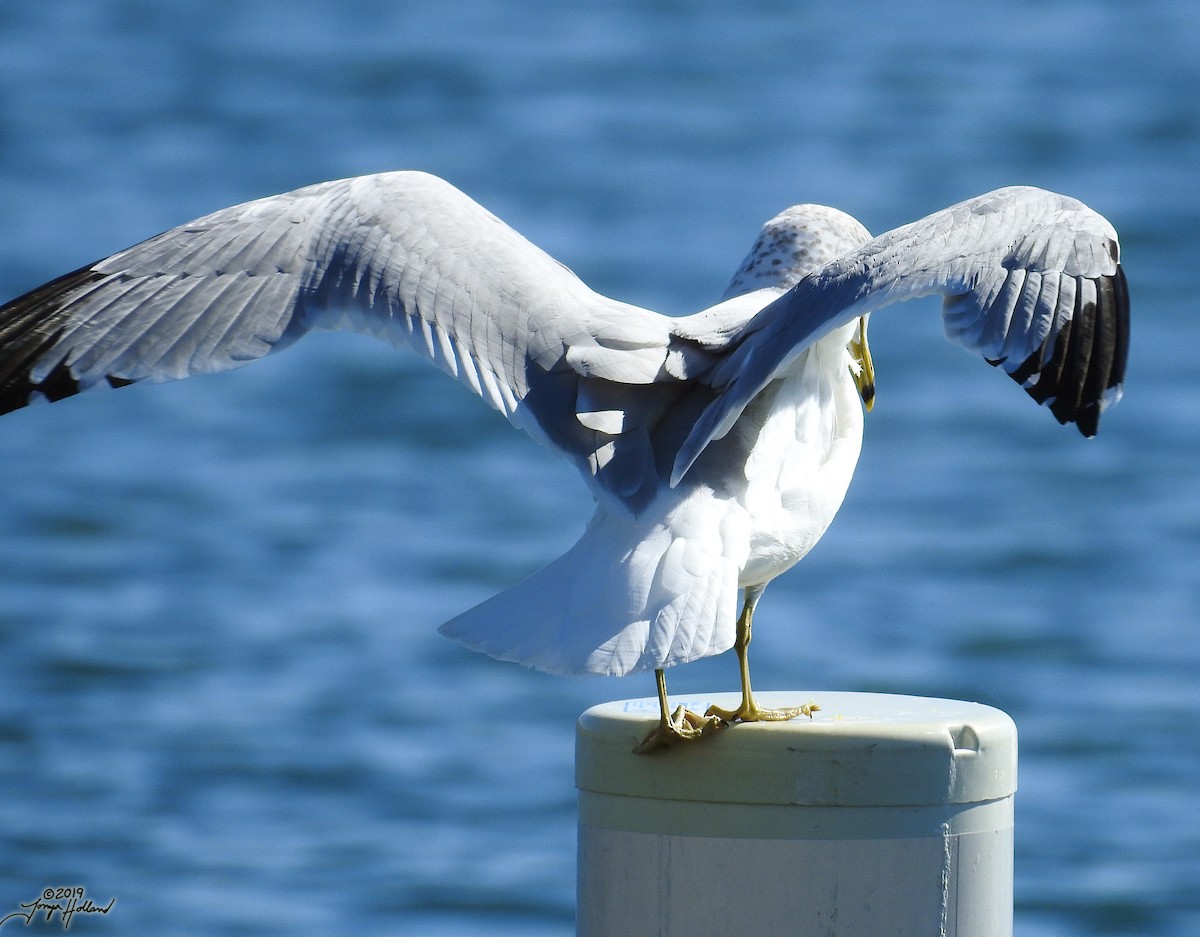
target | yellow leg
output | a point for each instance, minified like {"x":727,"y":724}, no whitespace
{"x":749,"y":710}
{"x":681,"y":726}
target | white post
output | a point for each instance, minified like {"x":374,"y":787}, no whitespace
{"x":883,"y":815}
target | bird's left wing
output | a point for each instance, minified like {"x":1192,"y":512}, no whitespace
{"x":404,"y":256}
{"x":1030,"y":280}
{"x":401,"y":255}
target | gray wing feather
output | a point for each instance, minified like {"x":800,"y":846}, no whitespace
{"x":402,"y":256}
{"x":1030,"y":280}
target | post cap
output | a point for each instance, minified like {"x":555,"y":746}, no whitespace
{"x":859,"y":749}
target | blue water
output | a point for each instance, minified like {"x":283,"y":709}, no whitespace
{"x":224,"y":701}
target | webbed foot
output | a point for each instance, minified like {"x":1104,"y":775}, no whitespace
{"x":751,"y":712}
{"x":683,"y":725}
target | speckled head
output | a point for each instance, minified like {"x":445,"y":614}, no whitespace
{"x":793,"y":244}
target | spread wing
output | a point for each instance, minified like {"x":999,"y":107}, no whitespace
{"x":1030,"y":280}
{"x":403,"y":256}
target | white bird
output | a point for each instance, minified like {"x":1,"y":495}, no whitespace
{"x":718,"y":446}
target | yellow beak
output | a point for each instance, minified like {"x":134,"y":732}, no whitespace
{"x":864,"y":377}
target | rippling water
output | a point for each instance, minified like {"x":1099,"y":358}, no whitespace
{"x":224,"y":701}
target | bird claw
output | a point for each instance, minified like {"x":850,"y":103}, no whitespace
{"x":683,"y":726}
{"x":753,"y":713}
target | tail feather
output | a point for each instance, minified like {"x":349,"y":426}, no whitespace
{"x":627,"y":596}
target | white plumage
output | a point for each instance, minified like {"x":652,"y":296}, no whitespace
{"x":718,"y":445}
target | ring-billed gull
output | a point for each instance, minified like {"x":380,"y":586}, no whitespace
{"x":718,"y":446}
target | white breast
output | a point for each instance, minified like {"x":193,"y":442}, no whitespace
{"x":802,"y":460}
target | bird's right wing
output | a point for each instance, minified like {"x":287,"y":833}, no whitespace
{"x":1030,"y":280}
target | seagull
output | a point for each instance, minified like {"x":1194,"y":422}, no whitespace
{"x":718,"y":446}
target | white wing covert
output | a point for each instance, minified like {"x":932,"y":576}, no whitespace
{"x":1030,"y":280}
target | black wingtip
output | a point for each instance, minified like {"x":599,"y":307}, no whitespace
{"x":30,"y":326}
{"x":1080,"y":368}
